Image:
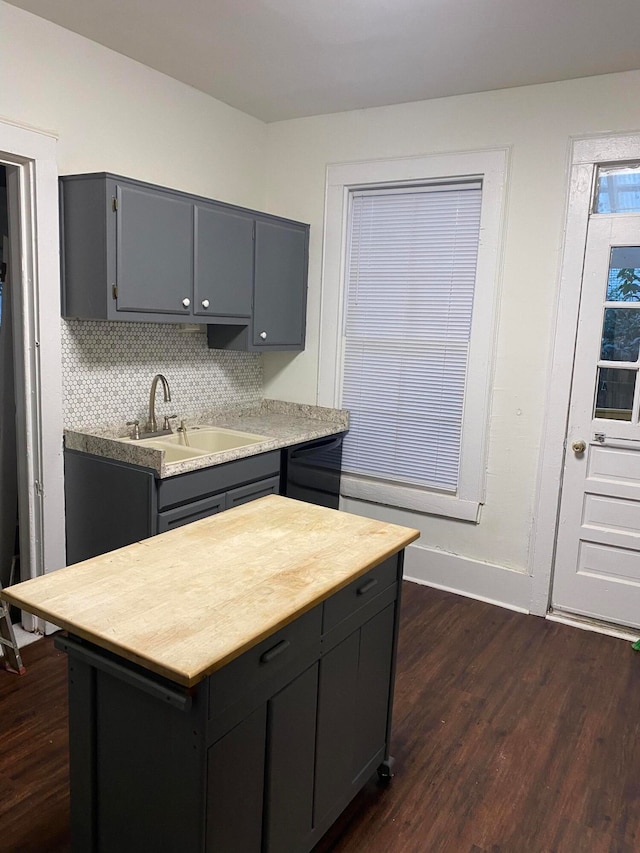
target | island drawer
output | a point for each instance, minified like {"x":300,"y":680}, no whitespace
{"x":359,"y":594}
{"x":265,"y":661}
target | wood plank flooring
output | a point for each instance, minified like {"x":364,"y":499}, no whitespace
{"x":512,"y":734}
{"x":34,"y":767}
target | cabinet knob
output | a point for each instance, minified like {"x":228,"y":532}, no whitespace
{"x":186,"y":302}
{"x":263,"y":335}
{"x":205,"y":303}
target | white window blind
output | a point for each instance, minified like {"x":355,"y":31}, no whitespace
{"x":410,"y":279}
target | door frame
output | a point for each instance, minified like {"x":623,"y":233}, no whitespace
{"x":584,"y":155}
{"x":32,"y":190}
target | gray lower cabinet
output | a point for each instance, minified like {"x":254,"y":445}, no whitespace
{"x":136,"y":251}
{"x":194,"y":510}
{"x":111,"y":504}
{"x":260,"y":757}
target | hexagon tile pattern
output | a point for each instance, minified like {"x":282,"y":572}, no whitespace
{"x":108,"y":367}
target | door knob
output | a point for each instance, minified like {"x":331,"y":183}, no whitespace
{"x":579,"y":447}
{"x":263,"y":335}
{"x":205,"y":303}
{"x":186,"y":302}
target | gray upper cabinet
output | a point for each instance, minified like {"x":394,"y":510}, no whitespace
{"x":279,"y":305}
{"x":154,"y":251}
{"x":224,"y":262}
{"x":135,"y":251}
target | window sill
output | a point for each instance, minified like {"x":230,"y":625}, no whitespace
{"x":410,"y":497}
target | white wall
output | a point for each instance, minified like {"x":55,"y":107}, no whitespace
{"x":536,"y":123}
{"x":113,"y":114}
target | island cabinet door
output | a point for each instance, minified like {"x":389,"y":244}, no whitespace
{"x":289,"y":778}
{"x":260,"y":775}
{"x":235,"y":785}
{"x":353,"y":713}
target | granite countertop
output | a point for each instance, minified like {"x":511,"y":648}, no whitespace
{"x":283,"y":424}
{"x":186,"y":602}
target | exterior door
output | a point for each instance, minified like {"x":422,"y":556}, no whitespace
{"x":597,"y":566}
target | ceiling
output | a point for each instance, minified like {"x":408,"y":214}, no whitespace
{"x":280,"y":59}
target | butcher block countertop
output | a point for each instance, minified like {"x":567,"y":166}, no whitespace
{"x":185,"y":603}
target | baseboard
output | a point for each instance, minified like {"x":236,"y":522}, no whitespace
{"x":472,"y":578}
{"x":587,"y":624}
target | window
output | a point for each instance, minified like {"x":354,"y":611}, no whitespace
{"x":617,"y":188}
{"x":410,"y":280}
{"x":408,"y":313}
{"x":620,"y":341}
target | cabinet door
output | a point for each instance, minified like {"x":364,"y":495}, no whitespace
{"x":154,"y":251}
{"x":235,"y":781}
{"x":280,"y":289}
{"x":337,"y":702}
{"x":353,"y":708}
{"x":291,"y":728}
{"x":223,"y":263}
{"x":372,"y":700}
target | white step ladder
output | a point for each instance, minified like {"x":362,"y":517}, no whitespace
{"x":12,"y":661}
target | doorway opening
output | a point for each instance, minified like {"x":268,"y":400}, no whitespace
{"x":30,"y":315}
{"x":12,"y":497}
{"x":9,"y":522}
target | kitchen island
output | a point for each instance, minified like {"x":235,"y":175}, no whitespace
{"x":230,"y":681}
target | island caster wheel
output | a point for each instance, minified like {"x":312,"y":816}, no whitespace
{"x":385,"y":771}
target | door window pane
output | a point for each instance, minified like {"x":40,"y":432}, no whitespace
{"x":614,"y":393}
{"x":620,"y":334}
{"x":618,"y":189}
{"x":623,"y":284}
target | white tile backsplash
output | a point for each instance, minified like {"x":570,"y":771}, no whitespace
{"x":107,"y":369}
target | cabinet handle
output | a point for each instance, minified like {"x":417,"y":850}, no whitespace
{"x":366,"y":587}
{"x":205,"y":303}
{"x":275,"y":651}
{"x":186,"y":302}
{"x":75,"y":649}
{"x":263,"y":335}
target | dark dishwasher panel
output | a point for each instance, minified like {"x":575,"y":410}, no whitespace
{"x":311,"y":471}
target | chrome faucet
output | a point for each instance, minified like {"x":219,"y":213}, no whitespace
{"x":152,"y":425}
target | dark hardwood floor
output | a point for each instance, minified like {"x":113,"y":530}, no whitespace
{"x":34,"y":767}
{"x":512,"y":734}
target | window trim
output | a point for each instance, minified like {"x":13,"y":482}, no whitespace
{"x":491,"y":167}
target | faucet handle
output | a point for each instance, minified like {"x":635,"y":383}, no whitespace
{"x":136,"y":428}
{"x":166,"y":424}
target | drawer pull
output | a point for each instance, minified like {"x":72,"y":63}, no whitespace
{"x":364,"y":589}
{"x":270,"y":654}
